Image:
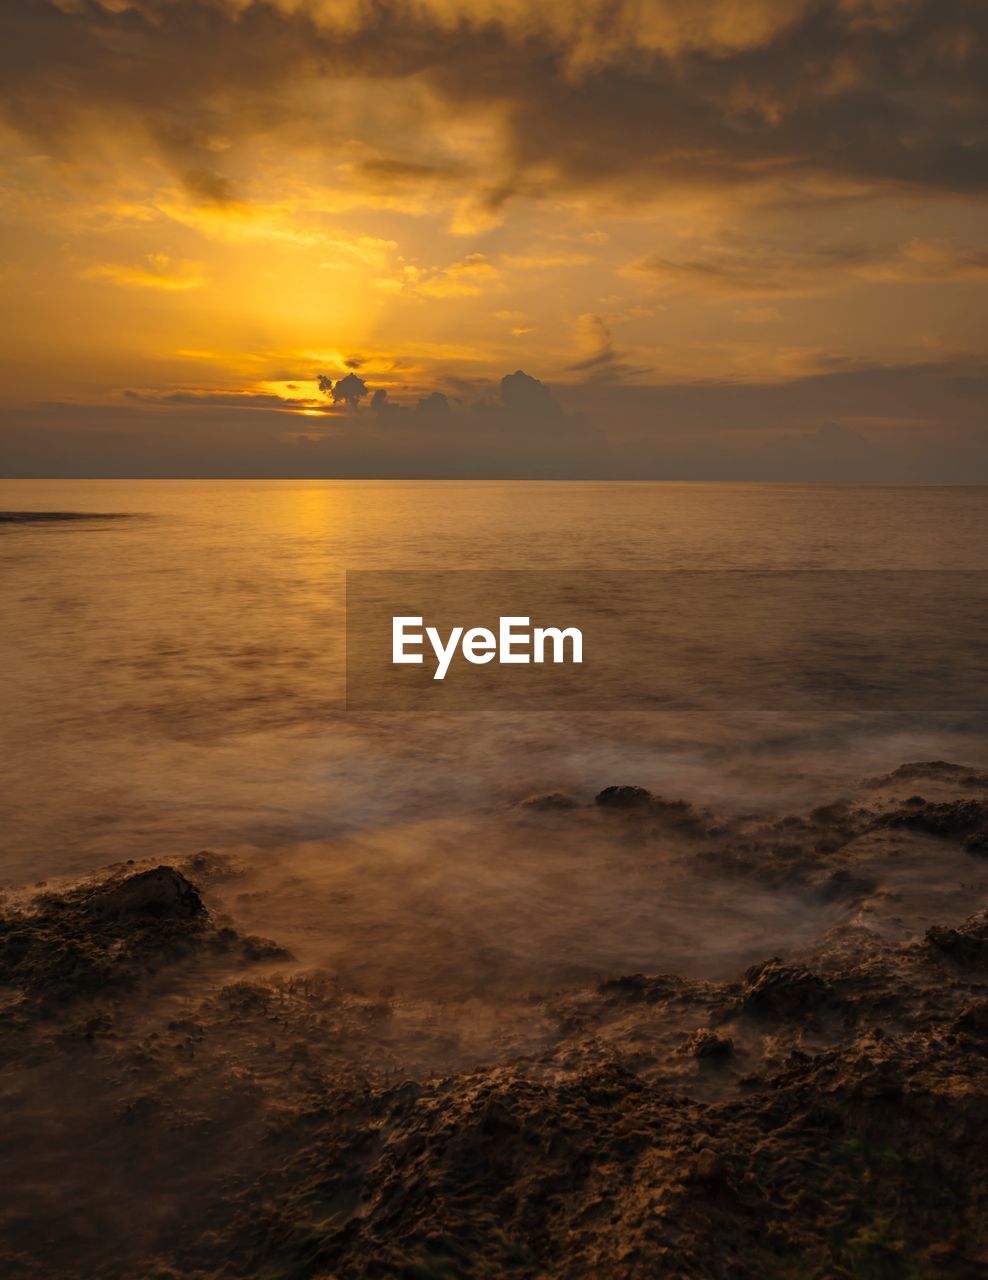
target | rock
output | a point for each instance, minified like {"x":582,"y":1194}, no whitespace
{"x":842,"y":885}
{"x":966,"y":820}
{"x":160,"y":893}
{"x":635,"y":986}
{"x":259,"y":949}
{"x":940,"y":770}
{"x":551,"y":802}
{"x":704,"y":1043}
{"x":781,"y":990}
{"x":973,"y":1020}
{"x":709,"y":1166}
{"x":623,"y":798}
{"x":967,"y":946}
{"x":831,"y":813}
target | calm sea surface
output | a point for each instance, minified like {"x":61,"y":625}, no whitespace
{"x":172,"y":681}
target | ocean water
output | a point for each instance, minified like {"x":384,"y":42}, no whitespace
{"x":173,"y":680}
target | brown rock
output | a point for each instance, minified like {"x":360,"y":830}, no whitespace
{"x":704,"y":1043}
{"x":709,"y":1166}
{"x":160,"y":893}
{"x":781,"y":990}
{"x":623,"y":798}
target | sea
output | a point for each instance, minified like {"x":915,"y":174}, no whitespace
{"x":173,"y":663}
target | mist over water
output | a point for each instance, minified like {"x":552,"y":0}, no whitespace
{"x":174,"y":681}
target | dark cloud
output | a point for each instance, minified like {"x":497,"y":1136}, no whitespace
{"x":216,"y":399}
{"x":744,"y":267}
{"x":349,"y":390}
{"x":526,"y":394}
{"x":922,"y":424}
{"x":390,"y":172}
{"x":894,"y":400}
{"x":435,"y":402}
{"x":521,"y":430}
{"x":739,"y":266}
{"x":208,"y":186}
{"x":879,"y":95}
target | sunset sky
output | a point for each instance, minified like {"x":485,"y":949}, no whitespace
{"x":729,"y":238}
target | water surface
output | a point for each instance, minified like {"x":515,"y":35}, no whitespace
{"x":173,"y":681}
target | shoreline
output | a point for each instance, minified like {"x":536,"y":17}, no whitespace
{"x":177,"y":1090}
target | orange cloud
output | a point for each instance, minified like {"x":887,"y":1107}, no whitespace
{"x":158,"y":272}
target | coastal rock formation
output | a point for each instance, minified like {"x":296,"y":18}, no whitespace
{"x":967,"y":945}
{"x":781,"y":990}
{"x":624,"y":797}
{"x":704,"y":1043}
{"x":161,"y":892}
{"x":549,"y":802}
{"x":821,"y":1115}
{"x":92,"y":938}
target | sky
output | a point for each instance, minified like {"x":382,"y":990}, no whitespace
{"x":683,"y":239}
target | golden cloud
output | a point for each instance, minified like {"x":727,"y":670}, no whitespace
{"x":157,"y":272}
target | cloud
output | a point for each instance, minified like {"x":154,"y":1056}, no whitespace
{"x":388,"y":173}
{"x":464,"y":279}
{"x":830,"y":452}
{"x":739,"y":266}
{"x":520,"y":429}
{"x":257,"y":222}
{"x":920,"y":423}
{"x":524,"y":394}
{"x":758,"y":315}
{"x":746,"y":268}
{"x":545,"y":261}
{"x":618,"y":96}
{"x":209,"y":186}
{"x":349,"y":390}
{"x":603,"y":363}
{"x":468,"y":278}
{"x":923,"y":260}
{"x":242,"y":400}
{"x":157,"y":272}
{"x":517,"y":320}
{"x":371,"y":251}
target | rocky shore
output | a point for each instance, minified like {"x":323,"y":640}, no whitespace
{"x":181,"y":1102}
